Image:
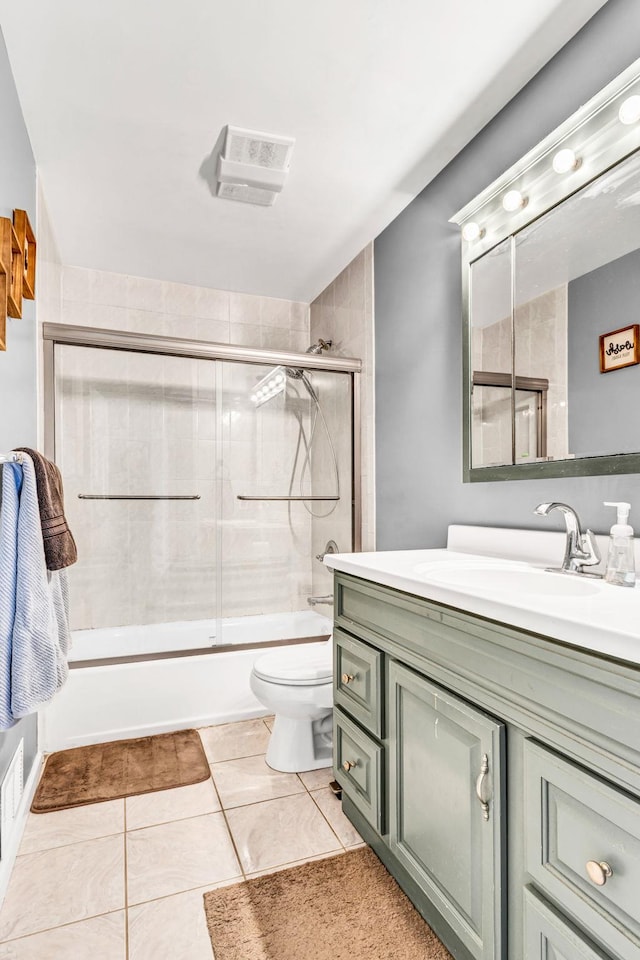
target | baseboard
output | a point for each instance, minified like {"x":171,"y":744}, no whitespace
{"x":10,"y":852}
{"x":146,"y":730}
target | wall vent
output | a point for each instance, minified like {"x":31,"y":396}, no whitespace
{"x":11,"y":790}
{"x":253,"y":166}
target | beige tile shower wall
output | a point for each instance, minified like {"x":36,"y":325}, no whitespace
{"x":96,"y":298}
{"x":344,"y":313}
{"x":145,"y":563}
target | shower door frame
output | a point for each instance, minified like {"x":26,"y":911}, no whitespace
{"x":64,"y":334}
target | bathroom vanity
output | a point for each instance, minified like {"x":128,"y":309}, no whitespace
{"x":487,"y":741}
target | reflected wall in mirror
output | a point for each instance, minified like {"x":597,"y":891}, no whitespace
{"x":540,"y":292}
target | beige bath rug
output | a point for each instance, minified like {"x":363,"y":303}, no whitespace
{"x":344,"y":908}
{"x":107,"y":771}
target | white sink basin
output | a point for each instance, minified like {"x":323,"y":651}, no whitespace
{"x":503,"y":578}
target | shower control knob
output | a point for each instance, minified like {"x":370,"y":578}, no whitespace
{"x":347,"y":677}
{"x":348,"y":764}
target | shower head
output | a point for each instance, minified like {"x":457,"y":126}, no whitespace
{"x":275,"y":381}
{"x":295,"y":373}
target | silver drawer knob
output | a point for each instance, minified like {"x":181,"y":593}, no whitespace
{"x":347,"y":677}
{"x":598,"y":872}
{"x":348,"y":764}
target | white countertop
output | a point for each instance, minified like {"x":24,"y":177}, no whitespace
{"x":590,"y":614}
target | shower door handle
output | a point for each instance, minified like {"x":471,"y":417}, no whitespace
{"x":241,"y":496}
{"x":126,"y":496}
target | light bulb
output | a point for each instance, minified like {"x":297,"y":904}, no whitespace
{"x":564,"y":161}
{"x":472,"y":231}
{"x":513,"y":200}
{"x":629,"y":111}
{"x":254,"y":398}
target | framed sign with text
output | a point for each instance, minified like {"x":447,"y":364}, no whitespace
{"x":620,"y":348}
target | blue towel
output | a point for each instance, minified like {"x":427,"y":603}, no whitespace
{"x":37,"y":640}
{"x":11,"y":486}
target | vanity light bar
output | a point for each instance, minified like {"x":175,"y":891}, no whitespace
{"x":605,"y":130}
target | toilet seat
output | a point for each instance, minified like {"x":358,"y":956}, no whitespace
{"x":309,"y":665}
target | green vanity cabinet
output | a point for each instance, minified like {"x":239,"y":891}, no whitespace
{"x":495,"y":772}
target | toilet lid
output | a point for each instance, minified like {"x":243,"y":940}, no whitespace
{"x":306,"y":664}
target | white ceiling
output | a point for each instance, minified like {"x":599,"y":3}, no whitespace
{"x":125,"y":100}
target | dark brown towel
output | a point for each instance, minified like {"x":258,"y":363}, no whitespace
{"x":59,"y":546}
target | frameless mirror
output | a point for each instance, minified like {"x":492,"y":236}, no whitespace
{"x":552,"y":308}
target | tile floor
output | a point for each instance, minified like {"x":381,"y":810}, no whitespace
{"x":123,"y":880}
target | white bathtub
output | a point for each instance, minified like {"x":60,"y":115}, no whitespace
{"x":120,"y":700}
{"x":152,"y":638}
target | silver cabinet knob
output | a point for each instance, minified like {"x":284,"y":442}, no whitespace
{"x":347,"y":677}
{"x":598,"y":872}
{"x":348,"y":764}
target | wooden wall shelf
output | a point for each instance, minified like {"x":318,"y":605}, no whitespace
{"x":27,"y":240}
{"x":11,"y":256}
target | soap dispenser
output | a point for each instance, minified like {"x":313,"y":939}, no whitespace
{"x":621,"y":568}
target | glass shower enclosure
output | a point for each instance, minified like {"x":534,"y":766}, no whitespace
{"x":199,"y":481}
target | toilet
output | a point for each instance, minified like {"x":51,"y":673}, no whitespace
{"x":296,"y":684}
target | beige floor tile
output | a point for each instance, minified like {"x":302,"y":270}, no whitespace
{"x":173,"y":928}
{"x":280,"y":831}
{"x":296,"y":863}
{"x":100,"y":938}
{"x":178,"y":856}
{"x":269,"y":723}
{"x":63,"y":885}
{"x":316,"y":779}
{"x":46,"y":830}
{"x":148,"y":809}
{"x":233,"y":740}
{"x":250,"y":780}
{"x":332,"y":809}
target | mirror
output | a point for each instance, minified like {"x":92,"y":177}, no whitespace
{"x":537,"y":390}
{"x":551,"y":278}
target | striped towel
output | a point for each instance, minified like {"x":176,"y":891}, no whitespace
{"x":38,"y":638}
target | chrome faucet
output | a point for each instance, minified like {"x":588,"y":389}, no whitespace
{"x":581,"y":549}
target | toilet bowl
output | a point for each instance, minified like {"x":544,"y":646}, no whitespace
{"x":296,"y":684}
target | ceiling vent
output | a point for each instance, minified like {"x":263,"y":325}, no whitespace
{"x":253,"y":166}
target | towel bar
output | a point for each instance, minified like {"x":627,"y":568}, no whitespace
{"x":126,"y":496}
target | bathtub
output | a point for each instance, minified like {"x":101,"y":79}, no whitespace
{"x":110,"y":642}
{"x":115,"y":700}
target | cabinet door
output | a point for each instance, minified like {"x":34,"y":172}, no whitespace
{"x":446,"y":809}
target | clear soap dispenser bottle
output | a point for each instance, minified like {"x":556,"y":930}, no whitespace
{"x":621,"y":567}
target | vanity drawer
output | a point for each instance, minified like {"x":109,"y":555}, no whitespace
{"x":547,"y":936}
{"x":358,"y":681}
{"x":358,"y":768}
{"x":578,"y":829}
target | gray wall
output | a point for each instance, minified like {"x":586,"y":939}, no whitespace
{"x":602,"y":407}
{"x":18,"y":364}
{"x":418,"y":318}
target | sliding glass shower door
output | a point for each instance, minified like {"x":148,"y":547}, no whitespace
{"x":202,"y":493}
{"x":286,"y":459}
{"x":136,"y":443}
